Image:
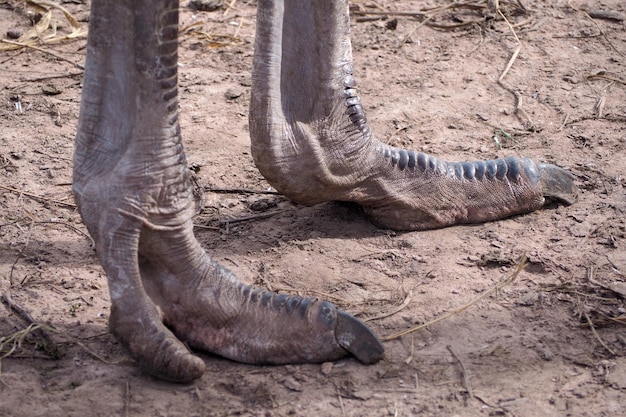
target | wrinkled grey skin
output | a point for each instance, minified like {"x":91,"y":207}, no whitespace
{"x":309,"y":139}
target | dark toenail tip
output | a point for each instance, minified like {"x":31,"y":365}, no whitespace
{"x":358,"y":339}
{"x":558,"y":183}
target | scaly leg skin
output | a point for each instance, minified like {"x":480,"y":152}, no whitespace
{"x":132,"y":187}
{"x":311,"y":141}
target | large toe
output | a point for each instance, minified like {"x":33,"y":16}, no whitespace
{"x":358,"y":339}
{"x":557,"y":183}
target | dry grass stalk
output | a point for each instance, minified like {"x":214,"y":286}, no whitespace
{"x":45,"y":340}
{"x":518,"y":97}
{"x":9,"y":344}
{"x":230,"y":6}
{"x":37,"y":197}
{"x":586,"y":13}
{"x":44,"y":32}
{"x":396,"y":310}
{"x":521,"y":264}
{"x":596,"y":335}
{"x":43,"y":334}
{"x":212,"y":40}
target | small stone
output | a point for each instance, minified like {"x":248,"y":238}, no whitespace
{"x":16,"y":155}
{"x":392,"y":24}
{"x":14,"y":34}
{"x":262,"y":205}
{"x":50,"y":90}
{"x":205,"y":5}
{"x":529,"y":298}
{"x":362,"y":395}
{"x":293,"y":385}
{"x":232,"y":94}
{"x":617,"y":378}
{"x":618,"y":288}
{"x":327,"y":368}
{"x":547,"y":354}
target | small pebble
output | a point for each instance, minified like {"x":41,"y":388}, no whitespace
{"x":232,"y":94}
{"x":547,"y":354}
{"x":327,"y":368}
{"x":13,"y":34}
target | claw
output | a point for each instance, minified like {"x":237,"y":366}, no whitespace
{"x":358,"y":339}
{"x":557,"y":183}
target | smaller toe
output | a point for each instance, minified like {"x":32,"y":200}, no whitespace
{"x":173,"y":362}
{"x":155,"y":348}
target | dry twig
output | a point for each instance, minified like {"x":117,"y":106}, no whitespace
{"x":69,"y":226}
{"x":19,"y":255}
{"x":127,"y":402}
{"x":239,"y":191}
{"x":45,"y":51}
{"x":260,"y":216}
{"x":53,"y":77}
{"x":463,"y":371}
{"x":602,"y":75}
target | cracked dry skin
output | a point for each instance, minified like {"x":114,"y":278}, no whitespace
{"x":310,"y":139}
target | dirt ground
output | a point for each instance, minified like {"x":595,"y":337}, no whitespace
{"x":550,"y":343}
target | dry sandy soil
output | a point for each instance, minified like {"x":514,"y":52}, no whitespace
{"x":550,"y":343}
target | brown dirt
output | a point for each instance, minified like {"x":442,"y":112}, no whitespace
{"x":527,"y":350}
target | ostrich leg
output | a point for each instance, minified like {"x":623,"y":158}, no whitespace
{"x":132,"y":187}
{"x":311,"y":141}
